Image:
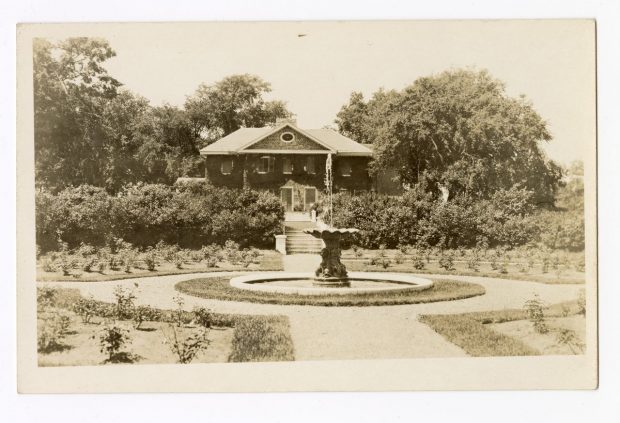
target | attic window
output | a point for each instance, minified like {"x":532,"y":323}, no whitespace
{"x":287,"y":137}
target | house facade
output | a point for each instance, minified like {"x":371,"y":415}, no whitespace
{"x":288,"y":161}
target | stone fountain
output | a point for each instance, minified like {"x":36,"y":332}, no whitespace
{"x":331,"y":276}
{"x":331,"y":272}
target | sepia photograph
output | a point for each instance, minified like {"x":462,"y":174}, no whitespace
{"x":323,"y":206}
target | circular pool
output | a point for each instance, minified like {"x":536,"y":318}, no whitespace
{"x":305,"y":283}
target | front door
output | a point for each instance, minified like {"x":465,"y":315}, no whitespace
{"x":286,"y":195}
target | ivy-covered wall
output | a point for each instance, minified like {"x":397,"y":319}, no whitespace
{"x":359,"y":180}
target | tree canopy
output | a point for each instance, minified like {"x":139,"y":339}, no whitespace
{"x":457,"y":130}
{"x":234,"y":102}
{"x":89,"y":130}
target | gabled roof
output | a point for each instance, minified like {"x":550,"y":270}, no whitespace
{"x":238,"y":141}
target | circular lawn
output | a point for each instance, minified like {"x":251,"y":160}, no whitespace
{"x":219,"y":288}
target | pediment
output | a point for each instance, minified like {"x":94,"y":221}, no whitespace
{"x":286,"y":138}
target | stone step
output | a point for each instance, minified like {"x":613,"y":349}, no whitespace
{"x":302,"y":251}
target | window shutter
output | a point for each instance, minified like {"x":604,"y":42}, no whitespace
{"x":272,"y":164}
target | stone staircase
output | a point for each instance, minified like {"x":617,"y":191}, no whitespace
{"x":298,"y":242}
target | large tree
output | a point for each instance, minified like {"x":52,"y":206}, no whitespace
{"x":234,"y":102}
{"x":458,"y":131}
{"x":71,"y":88}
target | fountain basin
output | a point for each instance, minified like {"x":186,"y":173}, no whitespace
{"x":298,"y":283}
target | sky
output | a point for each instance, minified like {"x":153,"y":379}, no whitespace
{"x":314,"y":66}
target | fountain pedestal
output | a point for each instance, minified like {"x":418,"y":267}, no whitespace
{"x":331,"y":272}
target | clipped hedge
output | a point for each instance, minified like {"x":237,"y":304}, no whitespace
{"x":508,"y":218}
{"x":187,"y":215}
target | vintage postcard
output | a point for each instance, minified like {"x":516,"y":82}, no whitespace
{"x":307,"y":206}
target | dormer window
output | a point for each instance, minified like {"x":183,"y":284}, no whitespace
{"x":226,"y":166}
{"x":287,"y":137}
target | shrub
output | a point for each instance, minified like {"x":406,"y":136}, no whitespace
{"x":86,"y":308}
{"x":581,"y":302}
{"x":399,"y":258}
{"x":145,"y":314}
{"x":186,"y":348}
{"x":181,"y":317}
{"x":150,"y":259}
{"x":51,"y":331}
{"x":261,"y":338}
{"x":146,"y":214}
{"x":124,"y":302}
{"x":535,"y":314}
{"x":569,"y":338}
{"x":418,"y":262}
{"x":112,"y":339}
{"x":46,"y":297}
{"x":473,"y":262}
{"x":203,"y":316}
{"x":446,"y":261}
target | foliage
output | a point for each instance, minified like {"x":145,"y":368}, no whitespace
{"x":86,"y":308}
{"x":535,"y":314}
{"x":111,"y":340}
{"x":145,"y":314}
{"x":234,"y":102}
{"x":446,"y":261}
{"x":456,"y":131}
{"x":186,"y":347}
{"x":145,"y":215}
{"x":53,"y":327}
{"x":569,"y":338}
{"x":203,"y":316}
{"x":264,"y":338}
{"x":124,"y":302}
{"x":508,"y":218}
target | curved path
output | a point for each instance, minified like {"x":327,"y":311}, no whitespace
{"x":321,"y":333}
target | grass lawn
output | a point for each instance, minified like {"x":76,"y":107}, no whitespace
{"x":460,"y":269}
{"x":220,"y":289}
{"x":269,"y":261}
{"x":232,"y":338}
{"x":479,"y":334}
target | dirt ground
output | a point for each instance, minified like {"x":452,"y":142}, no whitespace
{"x":81,"y":347}
{"x":547,"y":343}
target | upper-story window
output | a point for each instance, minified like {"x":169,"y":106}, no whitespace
{"x":287,"y":137}
{"x":287,"y":165}
{"x":310,"y":165}
{"x":265,"y":164}
{"x":345,"y":168}
{"x":226,"y":166}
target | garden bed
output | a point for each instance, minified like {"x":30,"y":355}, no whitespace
{"x":220,"y":289}
{"x":509,"y":270}
{"x":268,"y":260}
{"x":509,"y":332}
{"x":230,"y":337}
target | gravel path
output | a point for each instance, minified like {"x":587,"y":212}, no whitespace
{"x":341,"y":333}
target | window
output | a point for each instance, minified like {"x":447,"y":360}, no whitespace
{"x":345,"y":168}
{"x":226,"y":166}
{"x":287,"y":136}
{"x":287,"y":165}
{"x":310,"y":165}
{"x":265,"y":164}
